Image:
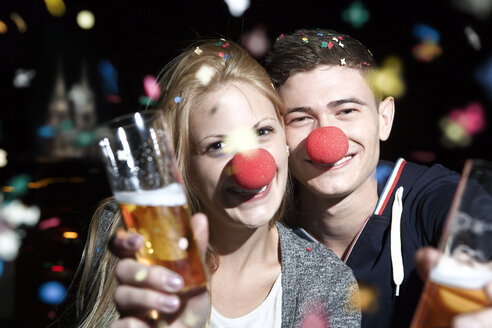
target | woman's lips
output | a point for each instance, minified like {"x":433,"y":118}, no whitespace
{"x":249,"y":195}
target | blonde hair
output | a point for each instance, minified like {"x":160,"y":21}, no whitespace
{"x":94,"y":305}
{"x":204,"y":67}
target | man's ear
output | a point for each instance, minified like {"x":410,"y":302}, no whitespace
{"x":386,"y":113}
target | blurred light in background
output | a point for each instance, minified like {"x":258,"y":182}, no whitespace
{"x":387,"y":80}
{"x":86,"y":19}
{"x":22,"y":78}
{"x":237,"y":7}
{"x":461,"y":125}
{"x":356,"y":15}
{"x":479,"y":8}
{"x":56,"y":8}
{"x":52,"y":292}
{"x":3,"y":27}
{"x":109,"y":77}
{"x":473,"y":38}
{"x":151,"y":87}
{"x":19,"y":22}
{"x":256,"y":42}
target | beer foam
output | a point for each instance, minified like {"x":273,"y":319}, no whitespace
{"x":172,"y":195}
{"x":454,"y":274}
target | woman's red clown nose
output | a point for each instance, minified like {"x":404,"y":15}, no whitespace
{"x":253,"y":169}
{"x":326,"y":145}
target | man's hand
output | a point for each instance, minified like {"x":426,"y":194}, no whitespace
{"x":425,"y":259}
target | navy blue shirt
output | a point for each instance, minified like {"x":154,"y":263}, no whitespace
{"x":427,"y":196}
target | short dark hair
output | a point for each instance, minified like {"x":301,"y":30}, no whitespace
{"x":305,"y":49}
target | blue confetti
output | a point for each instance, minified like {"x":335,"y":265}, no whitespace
{"x":52,"y":292}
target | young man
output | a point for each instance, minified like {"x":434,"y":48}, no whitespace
{"x":376,"y":228}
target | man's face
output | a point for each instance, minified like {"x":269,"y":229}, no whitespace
{"x":335,"y":96}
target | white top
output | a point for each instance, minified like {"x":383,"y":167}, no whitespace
{"x":267,"y":314}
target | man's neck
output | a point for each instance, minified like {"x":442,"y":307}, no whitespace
{"x":335,"y":222}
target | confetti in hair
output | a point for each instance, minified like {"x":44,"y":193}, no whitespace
{"x":177,"y":99}
{"x":198,"y":51}
{"x":205,"y":74}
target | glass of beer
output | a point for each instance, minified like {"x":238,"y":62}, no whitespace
{"x":143,"y":176}
{"x":456,"y":283}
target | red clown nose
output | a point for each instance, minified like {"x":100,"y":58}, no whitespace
{"x":326,"y":145}
{"x":253,"y":169}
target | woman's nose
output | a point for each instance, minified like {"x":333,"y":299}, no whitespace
{"x":326,"y":145}
{"x":253,"y":169}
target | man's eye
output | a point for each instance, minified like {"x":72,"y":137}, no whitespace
{"x":347,"y":111}
{"x":297,"y":119}
{"x":264,"y":131}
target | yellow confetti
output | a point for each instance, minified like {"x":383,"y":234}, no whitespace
{"x":56,"y":8}
{"x":240,"y":140}
{"x":141,"y":275}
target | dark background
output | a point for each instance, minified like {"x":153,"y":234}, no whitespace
{"x":138,"y":38}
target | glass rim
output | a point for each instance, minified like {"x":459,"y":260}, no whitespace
{"x":127,"y":120}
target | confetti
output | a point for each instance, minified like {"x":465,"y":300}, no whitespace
{"x":183,"y":243}
{"x":342,"y":62}
{"x":52,"y":292}
{"x":205,"y":74}
{"x":141,"y":275}
{"x":473,"y":38}
{"x":49,"y":223}
{"x":109,"y":77}
{"x":198,"y":51}
{"x":3,"y":158}
{"x":16,"y":213}
{"x":237,"y":7}
{"x":256,"y":42}
{"x":221,"y":54}
{"x":56,"y":8}
{"x":330,"y":45}
{"x":3,"y":27}
{"x":151,"y":87}
{"x":19,"y":22}
{"x":305,"y":40}
{"x":240,"y":140}
{"x":86,"y":19}
{"x":356,"y":15}
{"x":177,"y":99}
{"x":308,"y":249}
{"x":10,"y":242}
{"x":387,"y":80}
{"x":427,"y":51}
{"x":22,"y":78}
{"x":423,"y":32}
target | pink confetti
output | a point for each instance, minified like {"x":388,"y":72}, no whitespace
{"x":49,"y":223}
{"x":151,"y":87}
{"x":308,"y":249}
{"x":221,"y":54}
{"x":472,"y":118}
{"x":330,"y":45}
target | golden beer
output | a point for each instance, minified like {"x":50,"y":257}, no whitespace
{"x":162,"y":218}
{"x":450,"y":290}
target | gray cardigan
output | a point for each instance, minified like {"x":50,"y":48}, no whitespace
{"x":315,"y":282}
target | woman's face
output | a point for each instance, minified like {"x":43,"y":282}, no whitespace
{"x":235,"y":107}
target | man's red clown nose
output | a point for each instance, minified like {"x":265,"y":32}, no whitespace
{"x":253,"y":169}
{"x":326,"y":145}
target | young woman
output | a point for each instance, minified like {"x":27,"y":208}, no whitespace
{"x":262,"y":274}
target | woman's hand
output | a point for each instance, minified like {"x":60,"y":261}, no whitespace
{"x":425,"y":259}
{"x":154,"y":288}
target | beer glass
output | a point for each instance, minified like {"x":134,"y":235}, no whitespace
{"x":144,"y":179}
{"x":456,"y":283}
